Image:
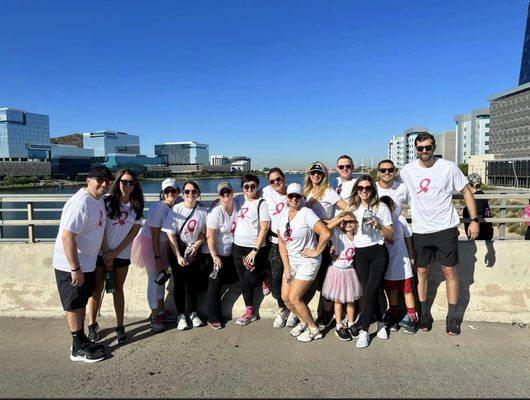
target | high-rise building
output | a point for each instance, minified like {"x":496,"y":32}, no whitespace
{"x":182,"y":153}
{"x":524,"y":74}
{"x":218,"y":160}
{"x":109,"y":142}
{"x":67,"y":161}
{"x":401,"y":149}
{"x":472,"y":134}
{"x":24,"y":136}
{"x":445,"y":145}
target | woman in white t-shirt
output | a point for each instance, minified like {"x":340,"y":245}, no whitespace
{"x":218,"y":260}
{"x":371,"y":254}
{"x":322,"y":199}
{"x":298,"y":229}
{"x":124,"y":208}
{"x":249,"y":252}
{"x":150,"y":251}
{"x":185,"y":226}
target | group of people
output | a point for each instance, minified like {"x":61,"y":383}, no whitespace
{"x":350,"y":243}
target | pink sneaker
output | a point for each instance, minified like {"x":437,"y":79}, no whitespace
{"x":246,"y":318}
{"x":266,"y":288}
{"x":215,"y":325}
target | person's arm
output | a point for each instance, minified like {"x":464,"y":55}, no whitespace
{"x":282,"y":248}
{"x":210,"y":239}
{"x":110,"y":255}
{"x":473,"y":229}
{"x":173,"y":243}
{"x":155,"y":242}
{"x":342,"y":204}
{"x":262,"y":234}
{"x":70,"y":251}
{"x":411,"y":251}
{"x":386,"y":231}
{"x":324,"y":234}
{"x":334,"y":223}
{"x":198,"y":243}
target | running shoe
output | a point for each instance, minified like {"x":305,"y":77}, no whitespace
{"x":265,"y":287}
{"x":342,"y":333}
{"x":93,"y":332}
{"x":195,"y":320}
{"x":246,"y":318}
{"x":281,"y":318}
{"x":310,"y":334}
{"x":292,"y":320}
{"x":426,"y":322}
{"x":156,"y":324}
{"x":354,"y":331}
{"x":121,"y":337}
{"x":183,"y":323}
{"x":168,"y":316}
{"x":298,"y":329}
{"x":325,"y":320}
{"x":452,"y":327}
{"x":409,"y":325}
{"x":381,"y":330}
{"x":215,"y":325}
{"x":363,"y":340}
{"x":394,"y":326}
{"x":87,"y":353}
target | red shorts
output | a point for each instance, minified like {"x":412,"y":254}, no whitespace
{"x":403,"y":285}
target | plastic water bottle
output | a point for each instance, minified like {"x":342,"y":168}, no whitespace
{"x":109,"y":281}
{"x":214,"y":274}
{"x":367,"y":217}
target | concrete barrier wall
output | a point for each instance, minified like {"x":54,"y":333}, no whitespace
{"x":494,"y":285}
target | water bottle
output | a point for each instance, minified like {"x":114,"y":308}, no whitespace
{"x":366,"y":226}
{"x":109,"y":281}
{"x":214,"y":273}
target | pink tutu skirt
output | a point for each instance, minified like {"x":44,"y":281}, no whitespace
{"x":342,"y":285}
{"x":142,"y":254}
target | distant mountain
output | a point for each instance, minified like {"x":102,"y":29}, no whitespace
{"x":75,"y":139}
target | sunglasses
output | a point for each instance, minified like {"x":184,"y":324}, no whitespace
{"x":294,"y":196}
{"x":249,"y":187}
{"x":316,"y":173}
{"x":225,"y":192}
{"x":384,"y":170}
{"x":170,"y":191}
{"x":191,"y":191}
{"x":277,"y":180}
{"x":288,"y":229}
{"x":346,"y":166}
{"x":100,"y":180}
{"x":364,"y":188}
{"x":426,"y":148}
{"x":126,"y":182}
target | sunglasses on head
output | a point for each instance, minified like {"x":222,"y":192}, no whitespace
{"x":225,"y":192}
{"x":364,"y":188}
{"x":100,"y":180}
{"x":170,"y":191}
{"x":277,"y":180}
{"x":345,"y":166}
{"x":384,"y":170}
{"x":191,"y":191}
{"x":249,"y":186}
{"x":426,"y":148}
{"x":126,"y":182}
{"x":316,"y":173}
{"x":294,"y":196}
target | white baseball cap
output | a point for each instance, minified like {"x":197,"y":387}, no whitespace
{"x":294,"y":188}
{"x":170,"y":182}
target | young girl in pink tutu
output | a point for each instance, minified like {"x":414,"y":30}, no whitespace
{"x":342,"y":284}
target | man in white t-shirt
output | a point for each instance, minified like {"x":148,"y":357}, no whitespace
{"x":74,"y":258}
{"x":431,"y":182}
{"x":345,"y":179}
{"x":388,"y":185}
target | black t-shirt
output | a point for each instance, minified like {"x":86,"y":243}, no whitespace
{"x":483,"y":211}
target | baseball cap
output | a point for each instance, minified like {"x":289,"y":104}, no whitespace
{"x":170,"y":182}
{"x":316,"y":167}
{"x":223,"y":185}
{"x":294,"y":188}
{"x":100,"y":171}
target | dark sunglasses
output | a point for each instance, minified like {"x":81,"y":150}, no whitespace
{"x":316,"y":173}
{"x":277,"y":180}
{"x":249,"y":187}
{"x":288,"y":229}
{"x":127,"y":182}
{"x":294,"y":196}
{"x":191,"y":191}
{"x":170,"y":191}
{"x":389,"y":170}
{"x":364,"y":188}
{"x":225,"y":192}
{"x":346,"y":166}
{"x":100,"y":180}
{"x":427,"y":148}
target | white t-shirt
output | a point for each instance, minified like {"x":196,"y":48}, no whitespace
{"x":247,"y":224}
{"x":323,"y":208}
{"x":399,"y":266}
{"x":117,"y":229}
{"x":299,"y":235}
{"x":225,"y":225}
{"x":85,"y":216}
{"x":382,"y":215}
{"x":275,"y":204}
{"x":430,"y":191}
{"x":155,"y":218}
{"x":398,"y":192}
{"x":194,"y":226}
{"x":344,"y":188}
{"x":345,"y":249}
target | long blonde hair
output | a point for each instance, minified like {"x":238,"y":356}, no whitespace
{"x":308,"y":184}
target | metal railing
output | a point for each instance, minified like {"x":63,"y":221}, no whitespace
{"x":30,"y":200}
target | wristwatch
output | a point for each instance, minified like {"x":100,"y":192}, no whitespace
{"x":255,"y":249}
{"x":474,"y":219}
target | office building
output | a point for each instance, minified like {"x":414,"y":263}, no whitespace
{"x":524,"y":74}
{"x":472,"y":134}
{"x":182,"y":153}
{"x":108,"y":142}
{"x":401,"y":149}
{"x":240,"y":163}
{"x":445,"y":145}
{"x":67,"y":161}
{"x":509,"y":173}
{"x":117,"y":161}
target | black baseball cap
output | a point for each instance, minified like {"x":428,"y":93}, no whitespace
{"x":316,"y":167}
{"x":100,"y":171}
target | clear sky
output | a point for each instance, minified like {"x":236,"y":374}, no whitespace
{"x":286,"y":82}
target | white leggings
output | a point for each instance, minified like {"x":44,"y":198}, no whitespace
{"x":155,"y":291}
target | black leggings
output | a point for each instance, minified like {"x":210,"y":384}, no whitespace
{"x":249,"y":280}
{"x":371,"y":264}
{"x":214,"y":285}
{"x":276,"y":275}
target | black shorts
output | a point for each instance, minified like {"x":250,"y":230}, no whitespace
{"x":116,"y":263}
{"x":442,"y":246}
{"x":74,"y":297}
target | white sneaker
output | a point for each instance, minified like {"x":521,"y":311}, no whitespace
{"x":310,"y":334}
{"x":195,"y":320}
{"x":363,"y":340}
{"x":183,"y":323}
{"x":381,"y":330}
{"x":292,"y":320}
{"x":281,"y":318}
{"x":298,"y":330}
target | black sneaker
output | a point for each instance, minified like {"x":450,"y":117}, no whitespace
{"x":393,"y":325}
{"x":325,"y":321}
{"x":354,"y":331}
{"x":93,"y":332}
{"x":343,"y":333}
{"x":426,"y":322}
{"x":87,"y":353}
{"x":452,"y":327}
{"x":121,"y":337}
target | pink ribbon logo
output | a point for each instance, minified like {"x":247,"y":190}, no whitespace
{"x":100,"y":223}
{"x":121,"y":220}
{"x":233,"y":227}
{"x":424,"y":185}
{"x":349,"y":253}
{"x":287,"y":235}
{"x":279,"y":208}
{"x":243,"y":212}
{"x":191,"y":225}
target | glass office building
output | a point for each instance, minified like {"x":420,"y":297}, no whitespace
{"x":524,"y":75}
{"x":108,"y":142}
{"x":179,"y":153}
{"x":23,"y":135}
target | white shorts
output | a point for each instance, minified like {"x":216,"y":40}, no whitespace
{"x":304,"y":271}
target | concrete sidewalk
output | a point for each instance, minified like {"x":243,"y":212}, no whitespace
{"x":487,"y":360}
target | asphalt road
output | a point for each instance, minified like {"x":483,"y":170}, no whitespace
{"x":487,"y":360}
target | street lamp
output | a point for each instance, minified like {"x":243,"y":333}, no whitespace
{"x":515,"y":173}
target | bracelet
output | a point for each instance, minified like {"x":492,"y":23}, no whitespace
{"x":157,"y":257}
{"x":77,"y":269}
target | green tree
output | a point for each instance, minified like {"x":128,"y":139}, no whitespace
{"x":464,"y":168}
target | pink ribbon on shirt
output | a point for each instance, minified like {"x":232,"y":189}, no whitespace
{"x":424,"y":187}
{"x":349,"y":253}
{"x":191,"y":225}
{"x":243,"y":212}
{"x":233,"y":227}
{"x":121,"y":221}
{"x":100,"y":223}
{"x":287,"y":235}
{"x":279,"y":208}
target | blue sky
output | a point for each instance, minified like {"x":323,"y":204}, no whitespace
{"x":286,"y":82}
